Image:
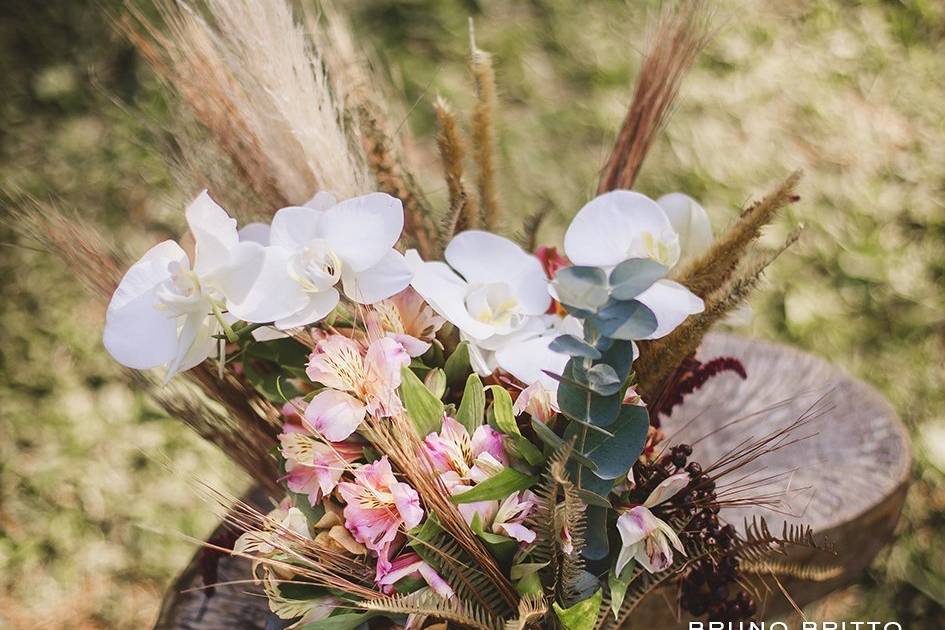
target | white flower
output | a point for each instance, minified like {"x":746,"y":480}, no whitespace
{"x":622,"y":224}
{"x":528,"y":357}
{"x":691,"y":223}
{"x":646,"y":539}
{"x":309,"y":249}
{"x":162,"y":313}
{"x":491,"y":290}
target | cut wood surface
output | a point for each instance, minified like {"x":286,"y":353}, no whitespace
{"x":848,"y":480}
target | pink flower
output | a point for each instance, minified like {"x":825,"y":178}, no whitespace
{"x":511,"y":515}
{"x":540,"y":403}
{"x":472,"y":459}
{"x":389,"y":573}
{"x":378,"y":505}
{"x":314,"y":468}
{"x":646,"y":539}
{"x":370,"y":376}
{"x":334,"y":415}
{"x":632,"y":397}
{"x":407,"y":318}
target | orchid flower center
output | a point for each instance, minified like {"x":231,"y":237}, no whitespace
{"x":182,"y":293}
{"x":664,"y":249}
{"x":316,"y":267}
{"x":495,"y":304}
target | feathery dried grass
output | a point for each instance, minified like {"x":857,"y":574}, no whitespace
{"x":483,"y":132}
{"x":255,"y":81}
{"x":715,"y":267}
{"x":660,"y":358}
{"x":681,"y":34}
{"x":463,"y":210}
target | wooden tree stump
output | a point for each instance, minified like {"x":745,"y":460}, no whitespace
{"x":848,"y":481}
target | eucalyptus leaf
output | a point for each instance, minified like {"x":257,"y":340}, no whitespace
{"x":552,"y":439}
{"x":596,"y":543}
{"x":602,"y":379}
{"x":626,"y":320}
{"x":580,"y":403}
{"x":615,"y":455}
{"x":424,"y":409}
{"x":634,"y":276}
{"x":580,"y":616}
{"x":496,"y":487}
{"x":573,"y":347}
{"x":582,"y":287}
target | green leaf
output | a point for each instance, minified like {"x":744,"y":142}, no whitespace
{"x":549,"y":437}
{"x":502,"y":408}
{"x":618,"y":587}
{"x":522,"y":448}
{"x":473,"y":406}
{"x":582,"y":615}
{"x":603,"y":380}
{"x":580,"y":403}
{"x":457,"y":365}
{"x":573,"y":347}
{"x":529,"y":585}
{"x":435,"y":381}
{"x":346,"y":621}
{"x":614,"y":455}
{"x":501,"y":547}
{"x":496,"y":487}
{"x":634,"y":276}
{"x":596,"y":543}
{"x":519,"y":571}
{"x":626,"y":320}
{"x":592,"y":498}
{"x":425,"y":409}
{"x":582,"y":287}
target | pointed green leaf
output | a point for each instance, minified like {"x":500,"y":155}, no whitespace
{"x":346,"y":621}
{"x":618,"y":587}
{"x":473,"y":406}
{"x":496,"y":487}
{"x":424,"y":409}
{"x":502,"y":408}
{"x":582,"y":615}
{"x":435,"y":381}
{"x":457,"y":365}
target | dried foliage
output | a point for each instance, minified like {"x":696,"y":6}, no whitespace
{"x":252,"y":77}
{"x":463,"y":209}
{"x":680,"y":35}
{"x":483,"y":132}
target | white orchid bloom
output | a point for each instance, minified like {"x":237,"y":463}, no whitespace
{"x":165,"y":312}
{"x":622,"y":224}
{"x":646,"y":539}
{"x":529,"y":358}
{"x":691,"y":223}
{"x":491,"y":290}
{"x":309,"y":249}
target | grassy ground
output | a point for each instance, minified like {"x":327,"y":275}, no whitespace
{"x":90,"y":517}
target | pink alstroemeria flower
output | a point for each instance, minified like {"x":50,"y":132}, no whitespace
{"x":377,"y":505}
{"x":314,"y":468}
{"x":407,"y":318}
{"x":511,"y":515}
{"x":646,"y":539}
{"x":405,"y":565}
{"x":538,"y":401}
{"x":359,"y":382}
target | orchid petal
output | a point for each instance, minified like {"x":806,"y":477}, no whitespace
{"x":323,"y":200}
{"x":445,"y":292}
{"x":137,"y":333}
{"x":483,"y":258}
{"x":362,"y":230}
{"x":389,"y":276}
{"x":254,"y":233}
{"x":672,"y":303}
{"x":612,"y":227}
{"x":258,"y":285}
{"x":667,"y":489}
{"x":690,"y":221}
{"x":528,"y":361}
{"x":294,"y":227}
{"x":214,"y":233}
{"x":319,"y":306}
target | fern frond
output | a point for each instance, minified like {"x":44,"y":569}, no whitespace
{"x":428,"y":604}
{"x":531,"y":610}
{"x":798,"y":570}
{"x":559,"y":507}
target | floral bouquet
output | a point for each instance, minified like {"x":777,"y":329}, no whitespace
{"x":454,"y":426}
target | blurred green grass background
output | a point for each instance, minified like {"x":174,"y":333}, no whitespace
{"x":91,"y":518}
